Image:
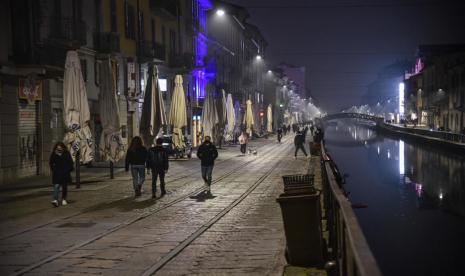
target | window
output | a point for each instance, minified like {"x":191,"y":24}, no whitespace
{"x":163,"y":35}
{"x":152,"y":25}
{"x":129,"y":21}
{"x":141,"y":26}
{"x":173,"y":43}
{"x":98,"y":12}
{"x":84,"y":69}
{"x":113,"y":19}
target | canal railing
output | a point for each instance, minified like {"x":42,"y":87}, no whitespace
{"x":350,"y":250}
{"x":443,"y":138}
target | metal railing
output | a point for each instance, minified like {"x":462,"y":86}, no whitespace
{"x":106,"y":42}
{"x":352,"y":115}
{"x":149,"y":49}
{"x":350,"y":250}
{"x":445,"y":135}
{"x":67,"y":29}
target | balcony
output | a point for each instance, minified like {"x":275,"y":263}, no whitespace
{"x":166,"y":9}
{"x":106,"y":42}
{"x":185,"y":61}
{"x":150,"y":50}
{"x":67,"y":31}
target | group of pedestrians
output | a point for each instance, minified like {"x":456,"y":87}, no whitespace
{"x":155,"y":160}
{"x":138,"y":160}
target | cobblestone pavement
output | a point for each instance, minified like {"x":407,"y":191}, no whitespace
{"x":104,"y":230}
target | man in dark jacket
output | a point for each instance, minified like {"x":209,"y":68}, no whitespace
{"x":157,"y":162}
{"x":299,"y":143}
{"x":207,"y":154}
{"x":280,"y":134}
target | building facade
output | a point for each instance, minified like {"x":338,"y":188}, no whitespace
{"x":435,"y":88}
{"x":133,"y":34}
{"x":35,"y":38}
{"x":236,"y":52}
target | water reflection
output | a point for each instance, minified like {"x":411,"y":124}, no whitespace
{"x":415,"y":196}
{"x":435,"y":175}
{"x":441,"y":177}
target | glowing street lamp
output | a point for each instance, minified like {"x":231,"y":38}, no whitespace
{"x":220,"y":12}
{"x":401,"y":98}
{"x":258,"y":57}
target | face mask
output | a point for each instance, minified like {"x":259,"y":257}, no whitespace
{"x":59,"y":151}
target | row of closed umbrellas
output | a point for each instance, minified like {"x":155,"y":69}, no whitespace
{"x":221,"y":118}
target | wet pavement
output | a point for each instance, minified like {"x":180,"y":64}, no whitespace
{"x":104,"y":230}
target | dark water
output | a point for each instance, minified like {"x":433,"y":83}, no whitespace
{"x":415,"y":219}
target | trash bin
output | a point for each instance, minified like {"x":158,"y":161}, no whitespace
{"x":315,"y":148}
{"x":302,"y":227}
{"x":299,"y":184}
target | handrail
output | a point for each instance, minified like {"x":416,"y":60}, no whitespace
{"x":445,"y":135}
{"x":350,"y":248}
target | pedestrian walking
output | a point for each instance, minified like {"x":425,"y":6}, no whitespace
{"x":285,"y":130}
{"x":299,"y":143}
{"x":61,"y":165}
{"x":207,"y":154}
{"x":280,"y":134}
{"x":312,"y":128}
{"x":136,"y":158}
{"x":157,"y":162}
{"x":243,"y":142}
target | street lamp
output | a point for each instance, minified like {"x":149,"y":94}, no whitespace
{"x":269,"y":72}
{"x":258,"y":57}
{"x":220,"y":12}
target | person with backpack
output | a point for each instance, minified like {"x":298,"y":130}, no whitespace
{"x":61,"y":165}
{"x":157,"y":162}
{"x":136,"y":158}
{"x":207,"y":154}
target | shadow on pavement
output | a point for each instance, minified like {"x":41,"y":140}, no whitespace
{"x":202,"y":196}
{"x":124,"y":205}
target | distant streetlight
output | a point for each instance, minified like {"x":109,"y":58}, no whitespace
{"x":280,"y":105}
{"x":220,"y":12}
{"x":258,"y":57}
{"x":269,"y":72}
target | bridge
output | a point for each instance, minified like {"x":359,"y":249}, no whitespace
{"x":348,"y":115}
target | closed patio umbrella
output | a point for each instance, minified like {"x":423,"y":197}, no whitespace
{"x":269,"y":119}
{"x":231,"y":119}
{"x":178,"y":114}
{"x":153,"y":109}
{"x":237,"y":113}
{"x":78,"y":137}
{"x":111,"y":142}
{"x":209,"y":116}
{"x":249,"y":120}
{"x":222,"y":116}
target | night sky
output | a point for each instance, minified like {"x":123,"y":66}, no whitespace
{"x":343,"y":44}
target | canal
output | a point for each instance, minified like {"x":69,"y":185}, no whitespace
{"x":413,"y":199}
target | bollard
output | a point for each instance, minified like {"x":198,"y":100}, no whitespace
{"x":78,"y":169}
{"x":111,"y":170}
